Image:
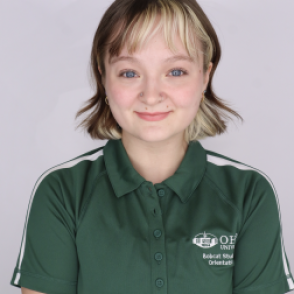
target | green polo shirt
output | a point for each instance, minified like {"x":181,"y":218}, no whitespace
{"x":95,"y":225}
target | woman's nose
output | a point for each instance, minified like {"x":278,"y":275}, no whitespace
{"x":152,"y":93}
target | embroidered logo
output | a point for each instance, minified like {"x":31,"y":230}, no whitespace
{"x":205,"y":240}
{"x":226,"y":242}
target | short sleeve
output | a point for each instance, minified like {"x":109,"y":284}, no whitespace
{"x":47,"y":260}
{"x":261,"y":264}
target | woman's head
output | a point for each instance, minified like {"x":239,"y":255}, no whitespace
{"x":151,"y":32}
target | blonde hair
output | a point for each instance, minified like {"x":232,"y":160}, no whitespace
{"x":131,"y":23}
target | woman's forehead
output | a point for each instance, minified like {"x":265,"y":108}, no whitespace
{"x":165,"y":59}
{"x":159,"y":44}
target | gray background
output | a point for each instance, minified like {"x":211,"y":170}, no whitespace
{"x":45,"y":53}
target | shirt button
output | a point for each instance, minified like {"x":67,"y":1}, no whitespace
{"x":158,"y":256}
{"x":157,"y":233}
{"x":161,"y":192}
{"x":159,"y":282}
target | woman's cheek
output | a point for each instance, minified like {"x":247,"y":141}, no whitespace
{"x":185,"y":98}
{"x":121,"y":97}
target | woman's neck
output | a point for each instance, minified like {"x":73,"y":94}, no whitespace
{"x":155,"y":161}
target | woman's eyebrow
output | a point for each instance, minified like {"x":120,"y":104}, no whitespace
{"x":179,"y":57}
{"x":135,"y":60}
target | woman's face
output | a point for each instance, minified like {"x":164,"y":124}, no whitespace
{"x":179,"y":83}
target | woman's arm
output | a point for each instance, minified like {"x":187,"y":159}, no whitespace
{"x":29,"y":291}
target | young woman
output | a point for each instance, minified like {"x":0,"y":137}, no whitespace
{"x":152,"y":211}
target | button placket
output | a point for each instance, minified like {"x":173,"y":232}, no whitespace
{"x":157,"y":242}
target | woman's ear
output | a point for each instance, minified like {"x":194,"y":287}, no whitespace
{"x":102,"y":80}
{"x":207,"y":75}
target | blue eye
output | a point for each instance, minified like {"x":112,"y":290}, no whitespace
{"x":129,"y":74}
{"x":178,"y":71}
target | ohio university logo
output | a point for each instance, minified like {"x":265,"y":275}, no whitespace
{"x":207,"y":240}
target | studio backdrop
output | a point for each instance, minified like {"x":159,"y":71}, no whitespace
{"x":45,"y":79}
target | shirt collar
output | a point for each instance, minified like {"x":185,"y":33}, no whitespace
{"x":124,"y":178}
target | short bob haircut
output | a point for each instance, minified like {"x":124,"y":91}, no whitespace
{"x":131,"y":23}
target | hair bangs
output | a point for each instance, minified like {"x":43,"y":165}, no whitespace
{"x":171,"y":19}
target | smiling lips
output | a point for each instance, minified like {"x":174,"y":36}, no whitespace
{"x":153,"y":116}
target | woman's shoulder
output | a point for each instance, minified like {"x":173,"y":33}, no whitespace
{"x":77,"y":165}
{"x":223,"y":164}
{"x":75,"y":173}
{"x":237,"y":181}
{"x":68,"y":184}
